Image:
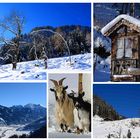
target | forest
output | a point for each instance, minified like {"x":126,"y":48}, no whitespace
{"x":41,"y":41}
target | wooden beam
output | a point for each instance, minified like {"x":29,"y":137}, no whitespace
{"x":80,"y":83}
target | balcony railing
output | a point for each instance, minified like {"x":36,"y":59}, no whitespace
{"x":120,"y":66}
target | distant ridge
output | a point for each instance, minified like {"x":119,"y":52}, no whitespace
{"x":19,"y":114}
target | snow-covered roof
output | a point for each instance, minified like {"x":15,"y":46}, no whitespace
{"x":117,"y":19}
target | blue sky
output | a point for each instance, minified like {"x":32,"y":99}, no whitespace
{"x":124,"y":98}
{"x":53,"y":14}
{"x":22,"y":93}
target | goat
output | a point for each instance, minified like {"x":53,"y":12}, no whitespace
{"x":64,"y":106}
{"x":82,"y":113}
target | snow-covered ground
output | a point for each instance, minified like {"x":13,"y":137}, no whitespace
{"x":55,"y":134}
{"x":34,"y":70}
{"x":25,"y":71}
{"x":7,"y":131}
{"x":102,"y":65}
{"x":102,"y":129}
{"x":79,"y":62}
{"x":102,"y":70}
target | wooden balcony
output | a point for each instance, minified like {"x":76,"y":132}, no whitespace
{"x":120,"y":67}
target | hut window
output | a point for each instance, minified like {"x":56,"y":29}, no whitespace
{"x":120,"y":48}
{"x":128,"y":47}
{"x":124,"y":48}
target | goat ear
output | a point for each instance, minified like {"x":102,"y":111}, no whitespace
{"x":65,"y":87}
{"x":72,"y":93}
{"x":81,"y":94}
{"x":51,"y":89}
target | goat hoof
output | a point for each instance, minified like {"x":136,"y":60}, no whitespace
{"x":69,"y":131}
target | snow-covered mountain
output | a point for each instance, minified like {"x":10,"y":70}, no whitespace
{"x":16,"y":115}
{"x":116,"y":129}
{"x":107,"y":123}
{"x":2,"y":122}
{"x":33,"y":106}
{"x":18,"y":120}
{"x":104,"y":110}
{"x":35,"y":125}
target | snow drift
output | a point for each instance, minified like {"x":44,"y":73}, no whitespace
{"x":115,"y":129}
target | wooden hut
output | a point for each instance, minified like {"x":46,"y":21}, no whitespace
{"x":124,"y":32}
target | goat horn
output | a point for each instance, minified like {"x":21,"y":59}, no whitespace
{"x":61,"y":81}
{"x":55,"y":82}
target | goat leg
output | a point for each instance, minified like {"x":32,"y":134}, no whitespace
{"x":62,"y":127}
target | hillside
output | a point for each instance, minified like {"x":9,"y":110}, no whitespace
{"x":36,"y":42}
{"x":116,"y":129}
{"x":35,"y":70}
{"x":105,"y":12}
{"x":21,"y":120}
{"x":104,"y":110}
{"x":16,"y":115}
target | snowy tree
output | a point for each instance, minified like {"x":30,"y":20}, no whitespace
{"x":12,"y":24}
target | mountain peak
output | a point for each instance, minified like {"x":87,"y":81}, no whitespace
{"x":17,"y":106}
{"x":31,"y":105}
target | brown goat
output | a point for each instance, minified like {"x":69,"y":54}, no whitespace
{"x":64,"y":106}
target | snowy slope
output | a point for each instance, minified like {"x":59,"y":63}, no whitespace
{"x":102,"y":70}
{"x":24,"y":71}
{"x":102,"y":65}
{"x":102,"y":129}
{"x":79,"y":62}
{"x":34,"y":70}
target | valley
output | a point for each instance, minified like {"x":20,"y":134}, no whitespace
{"x":7,"y":131}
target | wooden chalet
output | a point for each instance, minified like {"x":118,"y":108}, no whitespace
{"x":124,"y":32}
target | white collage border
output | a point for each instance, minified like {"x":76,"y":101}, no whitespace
{"x":51,"y":71}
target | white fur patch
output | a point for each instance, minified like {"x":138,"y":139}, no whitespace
{"x":81,"y":119}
